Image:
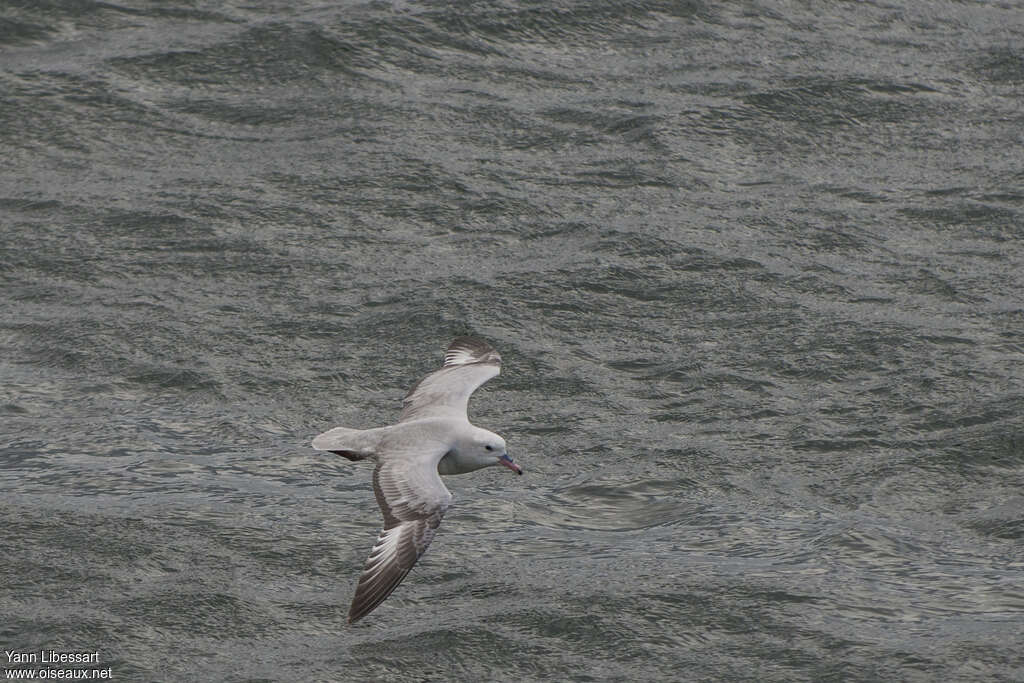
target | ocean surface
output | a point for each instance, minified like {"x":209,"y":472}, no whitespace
{"x":755,"y":269}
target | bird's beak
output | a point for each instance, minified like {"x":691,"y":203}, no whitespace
{"x":507,"y":462}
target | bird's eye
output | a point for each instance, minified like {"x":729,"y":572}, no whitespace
{"x":489,"y":447}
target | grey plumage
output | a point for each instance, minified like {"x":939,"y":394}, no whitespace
{"x":433,"y":437}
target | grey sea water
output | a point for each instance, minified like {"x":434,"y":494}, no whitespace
{"x":755,"y":269}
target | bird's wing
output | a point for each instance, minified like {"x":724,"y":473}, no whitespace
{"x":413,"y":500}
{"x":468,"y":363}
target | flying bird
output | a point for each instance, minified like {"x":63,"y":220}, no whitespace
{"x":433,"y":436}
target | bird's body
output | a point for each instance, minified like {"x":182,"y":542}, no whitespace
{"x":433,"y":437}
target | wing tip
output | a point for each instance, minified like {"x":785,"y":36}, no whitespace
{"x":367,"y":599}
{"x":467,"y":350}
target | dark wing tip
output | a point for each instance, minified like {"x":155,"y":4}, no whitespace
{"x":466,"y":350}
{"x":370,"y":594}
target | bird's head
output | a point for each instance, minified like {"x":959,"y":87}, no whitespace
{"x":489,"y":449}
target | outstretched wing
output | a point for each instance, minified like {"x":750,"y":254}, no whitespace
{"x":468,"y":363}
{"x":413,"y":500}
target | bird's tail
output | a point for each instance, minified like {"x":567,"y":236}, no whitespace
{"x":354,"y":444}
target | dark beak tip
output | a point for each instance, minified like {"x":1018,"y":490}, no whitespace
{"x":509,"y":463}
